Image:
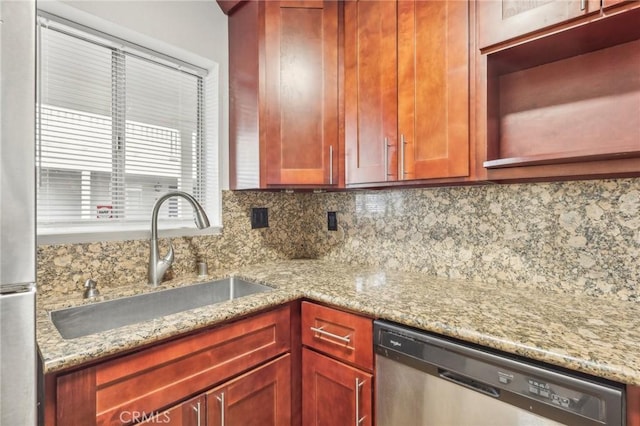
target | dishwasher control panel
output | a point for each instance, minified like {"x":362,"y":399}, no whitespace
{"x":544,"y":390}
{"x":540,"y":388}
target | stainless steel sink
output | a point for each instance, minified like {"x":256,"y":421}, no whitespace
{"x":102,"y":316}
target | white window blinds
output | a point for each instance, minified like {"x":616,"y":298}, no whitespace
{"x":115,"y":131}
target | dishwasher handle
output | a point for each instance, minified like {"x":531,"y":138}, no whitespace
{"x":469,"y":383}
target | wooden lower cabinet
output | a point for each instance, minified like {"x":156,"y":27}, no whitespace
{"x":261,"y":397}
{"x":138,"y":387}
{"x":334,"y":393}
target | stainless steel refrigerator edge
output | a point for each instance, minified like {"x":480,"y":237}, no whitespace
{"x":17,"y":213}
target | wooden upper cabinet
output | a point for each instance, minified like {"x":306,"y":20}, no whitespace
{"x":302,"y":92}
{"x":283,"y":70}
{"x":502,"y":20}
{"x":565,"y":103}
{"x":406,"y":90}
{"x":371,"y":91}
{"x":433,"y":89}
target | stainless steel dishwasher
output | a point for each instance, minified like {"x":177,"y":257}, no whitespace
{"x":428,"y":380}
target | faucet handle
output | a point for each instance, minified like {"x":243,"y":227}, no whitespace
{"x":164,"y":264}
{"x":168,"y":259}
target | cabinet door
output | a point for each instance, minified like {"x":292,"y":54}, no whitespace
{"x":189,"y":413}
{"x":261,"y":397}
{"x":334,"y":394}
{"x":301,"y":54}
{"x":433,"y":89}
{"x":501,"y":20}
{"x":370,"y":91}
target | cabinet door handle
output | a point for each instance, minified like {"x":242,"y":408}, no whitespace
{"x":318,"y":330}
{"x":358,"y":387}
{"x":330,"y":164}
{"x":402,"y":143}
{"x":583,"y":4}
{"x":220,"y":398}
{"x":196,"y":408}
{"x":386,"y":158}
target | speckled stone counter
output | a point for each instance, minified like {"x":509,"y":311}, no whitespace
{"x":587,"y":334}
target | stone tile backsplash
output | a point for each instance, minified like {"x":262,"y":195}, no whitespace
{"x":64,"y":268}
{"x":575,"y":237}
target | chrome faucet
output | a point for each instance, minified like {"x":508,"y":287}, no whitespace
{"x":158,"y":267}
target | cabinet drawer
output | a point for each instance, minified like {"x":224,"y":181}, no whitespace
{"x":154,"y":378}
{"x":342,"y":335}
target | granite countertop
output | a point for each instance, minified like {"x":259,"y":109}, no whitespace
{"x":592,"y":335}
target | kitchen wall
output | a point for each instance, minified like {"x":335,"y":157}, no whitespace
{"x":63,"y":268}
{"x":577,"y":237}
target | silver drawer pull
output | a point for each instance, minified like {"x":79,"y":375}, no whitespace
{"x":196,"y":408}
{"x":357,"y":391}
{"x":330,"y":164}
{"x":220,"y":399}
{"x":346,"y":339}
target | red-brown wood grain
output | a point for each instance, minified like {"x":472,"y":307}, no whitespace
{"x":259,"y":397}
{"x":407,"y":91}
{"x":329,"y":392}
{"x":433,"y":88}
{"x":563,"y":104}
{"x":284,"y":64}
{"x":560,"y":109}
{"x":76,"y":398}
{"x":301,"y":53}
{"x":296,"y":363}
{"x":370,"y":91}
{"x":633,"y":405}
{"x":189,"y":413}
{"x":50,"y":401}
{"x":359,"y":330}
{"x":246,"y":117}
{"x":500,"y":20}
{"x":155,"y":378}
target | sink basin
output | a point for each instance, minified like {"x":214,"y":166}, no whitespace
{"x":102,"y":316}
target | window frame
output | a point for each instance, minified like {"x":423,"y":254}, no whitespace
{"x":133,"y":230}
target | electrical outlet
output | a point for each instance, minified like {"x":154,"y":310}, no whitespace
{"x":259,"y":217}
{"x":332,"y":221}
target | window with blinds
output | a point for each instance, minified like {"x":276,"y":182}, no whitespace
{"x":117,"y":129}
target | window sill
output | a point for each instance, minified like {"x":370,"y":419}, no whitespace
{"x":92,"y":235}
